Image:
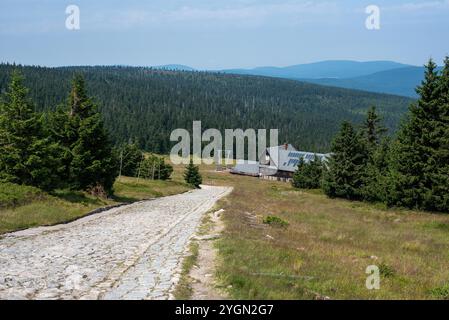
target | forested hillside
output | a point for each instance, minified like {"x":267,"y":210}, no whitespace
{"x":146,"y":105}
{"x":334,"y":69}
{"x":399,"y":81}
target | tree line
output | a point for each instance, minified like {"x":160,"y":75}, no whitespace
{"x":134,"y":163}
{"x":67,"y":148}
{"x":410,"y":170}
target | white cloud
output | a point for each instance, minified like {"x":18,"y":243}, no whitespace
{"x":238,"y":14}
{"x":419,"y":6}
{"x":254,"y":11}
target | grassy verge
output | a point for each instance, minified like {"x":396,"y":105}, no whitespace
{"x":23,"y":207}
{"x":13,"y":195}
{"x":324,"y":247}
{"x":131,"y":189}
{"x":183,"y":289}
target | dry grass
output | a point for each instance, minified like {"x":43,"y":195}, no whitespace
{"x":322,"y":252}
{"x":184,"y":289}
{"x":327,"y":245}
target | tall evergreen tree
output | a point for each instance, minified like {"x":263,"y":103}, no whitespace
{"x":26,"y":155}
{"x":372,"y":129}
{"x":413,"y":163}
{"x":345,"y":174}
{"x":377,"y":173}
{"x":88,"y":158}
{"x":439,"y":176}
{"x":164,"y":170}
{"x":62,"y":129}
{"x":192,"y":175}
{"x":378,"y":150}
{"x":299,"y":176}
{"x":94,"y":165}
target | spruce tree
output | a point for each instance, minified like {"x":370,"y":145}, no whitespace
{"x":27,"y":156}
{"x":165,"y":170}
{"x":377,"y":174}
{"x":299,"y":176}
{"x":345,"y":174}
{"x":192,"y":175}
{"x":439,"y":177}
{"x":62,"y":129}
{"x":89,"y":161}
{"x":413,"y":160}
{"x":94,"y":165}
{"x":373,"y":129}
{"x":378,"y":150}
{"x":308,"y":175}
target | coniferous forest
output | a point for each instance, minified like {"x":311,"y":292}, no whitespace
{"x":144,"y":105}
{"x":409,"y":170}
{"x":65,"y":148}
{"x":69,"y":146}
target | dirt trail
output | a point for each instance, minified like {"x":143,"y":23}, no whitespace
{"x":204,"y":284}
{"x":132,"y":252}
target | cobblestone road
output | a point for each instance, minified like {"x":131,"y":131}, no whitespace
{"x":132,"y":252}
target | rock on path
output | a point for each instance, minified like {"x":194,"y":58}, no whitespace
{"x":132,"y":252}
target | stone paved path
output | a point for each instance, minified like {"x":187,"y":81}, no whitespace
{"x":132,"y":252}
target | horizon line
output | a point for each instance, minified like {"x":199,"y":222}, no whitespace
{"x":205,"y":69}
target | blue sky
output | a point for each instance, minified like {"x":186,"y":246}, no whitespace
{"x":215,"y":34}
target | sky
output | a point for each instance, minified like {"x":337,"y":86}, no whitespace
{"x":220,"y":34}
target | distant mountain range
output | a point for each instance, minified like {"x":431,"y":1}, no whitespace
{"x":175,"y":67}
{"x":401,"y":81}
{"x":375,"y":76}
{"x":338,"y":69}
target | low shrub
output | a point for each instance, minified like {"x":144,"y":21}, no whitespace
{"x":386,"y":270}
{"x":443,"y":226}
{"x":441,"y":292}
{"x":13,"y":195}
{"x":275,"y":221}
